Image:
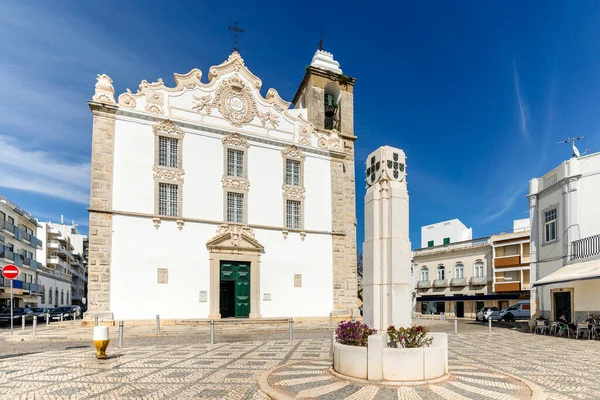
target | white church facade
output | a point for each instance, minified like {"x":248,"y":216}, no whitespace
{"x":210,"y":200}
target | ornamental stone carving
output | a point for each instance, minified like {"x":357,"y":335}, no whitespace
{"x":304,"y":141}
{"x":235,"y":183}
{"x":168,"y":174}
{"x":202,"y":104}
{"x":236,"y":232}
{"x":322,"y":142}
{"x":180,"y":224}
{"x":168,"y":126}
{"x":105,"y":92}
{"x":127,"y":99}
{"x":156,"y":222}
{"x":236,"y":140}
{"x":235,"y":102}
{"x":154,"y":109}
{"x":293,"y":192}
{"x":269,"y":118}
{"x":293,"y":152}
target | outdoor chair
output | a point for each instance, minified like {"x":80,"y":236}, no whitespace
{"x":531,"y":326}
{"x":541,"y":327}
{"x":562,"y":328}
{"x":583,"y":327}
{"x":554,"y":328}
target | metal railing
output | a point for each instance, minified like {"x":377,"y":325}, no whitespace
{"x":586,"y":247}
{"x":467,"y":244}
{"x":7,"y":226}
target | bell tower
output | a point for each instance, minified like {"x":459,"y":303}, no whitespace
{"x":328,"y":97}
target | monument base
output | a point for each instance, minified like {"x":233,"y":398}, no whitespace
{"x":378,"y":363}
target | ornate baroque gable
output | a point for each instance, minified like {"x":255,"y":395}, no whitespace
{"x":235,"y":237}
{"x":230,"y":99}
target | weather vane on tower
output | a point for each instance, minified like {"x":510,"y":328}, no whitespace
{"x":236,"y":29}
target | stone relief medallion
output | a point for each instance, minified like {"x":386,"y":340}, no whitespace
{"x":373,"y":168}
{"x":394,"y":165}
{"x":235,"y":102}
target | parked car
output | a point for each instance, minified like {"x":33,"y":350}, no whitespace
{"x":66,"y":311}
{"x":520,"y":310}
{"x":41,"y":312}
{"x":488,"y":312}
{"x":18,"y":313}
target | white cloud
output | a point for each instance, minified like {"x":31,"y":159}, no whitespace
{"x":43,"y":173}
{"x":523,"y":112}
{"x":506,"y":205}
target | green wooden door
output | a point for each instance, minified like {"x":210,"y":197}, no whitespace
{"x":239,"y":273}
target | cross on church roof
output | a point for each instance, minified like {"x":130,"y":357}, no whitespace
{"x":235,"y":30}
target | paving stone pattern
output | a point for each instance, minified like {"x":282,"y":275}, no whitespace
{"x":311,"y":379}
{"x":183,"y":368}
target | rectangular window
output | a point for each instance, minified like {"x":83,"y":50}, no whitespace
{"x":11,"y":220}
{"x":167,"y":152}
{"x":430,"y":243}
{"x":550,"y":219}
{"x":167,"y":199}
{"x":2,"y":216}
{"x":235,"y":207}
{"x":235,"y":163}
{"x":292,"y":172}
{"x":292,"y":214}
{"x":446,"y":240}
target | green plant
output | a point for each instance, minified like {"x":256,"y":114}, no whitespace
{"x":353,"y":333}
{"x":412,"y":337}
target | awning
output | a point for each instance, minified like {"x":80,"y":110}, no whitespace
{"x":574,"y":272}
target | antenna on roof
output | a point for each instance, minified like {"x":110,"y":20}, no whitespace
{"x":575,"y":150}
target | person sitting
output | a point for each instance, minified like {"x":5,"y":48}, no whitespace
{"x":591,"y":320}
{"x":563,"y":320}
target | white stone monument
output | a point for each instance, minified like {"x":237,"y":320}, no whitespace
{"x":387,"y":289}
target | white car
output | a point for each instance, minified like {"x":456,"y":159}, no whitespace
{"x":488,"y":312}
{"x":520,"y":310}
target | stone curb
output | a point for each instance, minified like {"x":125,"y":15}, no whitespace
{"x":264,"y":386}
{"x":388,"y":383}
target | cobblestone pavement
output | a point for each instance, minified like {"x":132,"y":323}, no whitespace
{"x":311,"y":379}
{"x":187,"y":367}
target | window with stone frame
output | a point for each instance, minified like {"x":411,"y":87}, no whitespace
{"x":441,"y":272}
{"x":459,"y":271}
{"x":50,"y":295}
{"x":478,"y":271}
{"x":62,"y":297}
{"x":292,"y":172}
{"x":550,"y":225}
{"x":235,"y":163}
{"x":168,"y":149}
{"x":293,"y":214}
{"x":424,"y":274}
{"x":43,"y":297}
{"x":168,"y":199}
{"x":235,"y":207}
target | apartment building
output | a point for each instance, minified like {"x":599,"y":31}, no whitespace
{"x":445,"y":232}
{"x":511,"y":257}
{"x":565,"y":239}
{"x":18,"y":246}
{"x":65,"y":276}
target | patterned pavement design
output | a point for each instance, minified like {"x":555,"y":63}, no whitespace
{"x":311,"y":379}
{"x":186,"y":367}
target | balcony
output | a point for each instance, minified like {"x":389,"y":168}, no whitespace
{"x":440,"y":283}
{"x":478,"y":281}
{"x":7,"y":227}
{"x":465,"y":245}
{"x":58,"y":261}
{"x":585,"y":248}
{"x":424,"y":284}
{"x":509,"y":261}
{"x":458,"y":282}
{"x":501,"y":287}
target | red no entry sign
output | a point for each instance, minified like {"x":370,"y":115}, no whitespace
{"x":10,"y":271}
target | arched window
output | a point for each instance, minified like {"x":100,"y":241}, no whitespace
{"x":67,"y":298}
{"x":62,"y":297}
{"x":424,"y":274}
{"x":56,"y":296}
{"x":459,"y":270}
{"x":50,"y":295}
{"x":478,"y":273}
{"x":441,"y":272}
{"x":43,"y":300}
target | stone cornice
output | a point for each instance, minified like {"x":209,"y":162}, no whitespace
{"x":211,"y":222}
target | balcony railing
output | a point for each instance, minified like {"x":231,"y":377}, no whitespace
{"x":423,"y":284}
{"x":8,"y":227}
{"x":479,"y":280}
{"x":586,"y":247}
{"x":440,"y":283}
{"x":458,"y":282}
{"x":467,"y":244}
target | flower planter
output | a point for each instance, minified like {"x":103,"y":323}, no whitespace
{"x":377,"y":362}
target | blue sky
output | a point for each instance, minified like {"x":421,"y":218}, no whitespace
{"x":476,"y":93}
